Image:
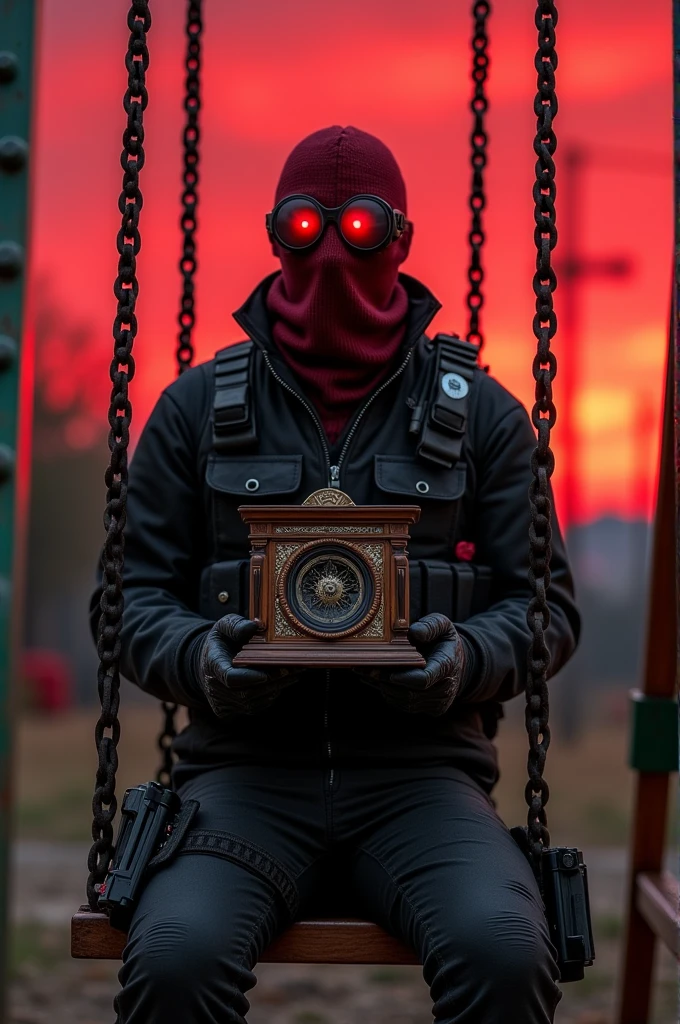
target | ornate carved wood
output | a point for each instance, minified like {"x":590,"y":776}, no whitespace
{"x":329,"y":583}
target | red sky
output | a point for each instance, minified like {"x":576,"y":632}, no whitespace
{"x":273,"y":73}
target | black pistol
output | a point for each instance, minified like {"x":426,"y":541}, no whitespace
{"x":567,"y":908}
{"x":147,"y":819}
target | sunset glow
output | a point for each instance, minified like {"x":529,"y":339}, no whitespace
{"x":412,"y":90}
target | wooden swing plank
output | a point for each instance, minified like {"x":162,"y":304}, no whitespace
{"x":350,"y":941}
{"x":657,"y":901}
{"x":347,"y":941}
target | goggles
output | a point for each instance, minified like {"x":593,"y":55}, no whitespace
{"x":365,"y":223}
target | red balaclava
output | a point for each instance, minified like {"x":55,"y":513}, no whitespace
{"x":339,"y":317}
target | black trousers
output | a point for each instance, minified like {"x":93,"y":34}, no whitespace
{"x":420,"y":851}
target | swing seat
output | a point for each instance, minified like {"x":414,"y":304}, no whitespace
{"x":323,"y":941}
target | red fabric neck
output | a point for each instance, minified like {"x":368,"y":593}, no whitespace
{"x":339,"y":317}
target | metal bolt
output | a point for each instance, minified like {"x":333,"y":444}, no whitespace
{"x":6,"y":463}
{"x":11,"y":260}
{"x":8,"y":352}
{"x":13,"y":153}
{"x":568,"y":861}
{"x":223,"y":596}
{"x":9,"y":67}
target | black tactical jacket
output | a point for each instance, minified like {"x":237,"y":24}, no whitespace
{"x":187,"y":549}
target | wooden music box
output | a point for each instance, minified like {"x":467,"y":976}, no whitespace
{"x":329,"y":583}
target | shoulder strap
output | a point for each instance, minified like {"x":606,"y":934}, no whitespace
{"x":445,"y":419}
{"x":233,"y":412}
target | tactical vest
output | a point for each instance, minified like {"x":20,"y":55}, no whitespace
{"x":458,"y":589}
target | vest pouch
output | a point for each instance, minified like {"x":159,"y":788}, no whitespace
{"x":254,"y":476}
{"x":225,"y":589}
{"x":437,"y":490}
{"x":458,"y":590}
{"x":416,"y":481}
{"x":247,"y":480}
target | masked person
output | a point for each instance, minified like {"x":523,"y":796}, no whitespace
{"x":375,"y":787}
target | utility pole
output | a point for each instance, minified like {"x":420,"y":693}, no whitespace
{"x":575,"y":270}
{"x":17,"y":47}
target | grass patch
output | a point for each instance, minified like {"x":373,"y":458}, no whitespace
{"x":594,"y":982}
{"x":32,"y":945}
{"x":64,"y":815}
{"x":590,"y":784}
{"x":607,"y":823}
{"x":607,"y":927}
{"x":387,"y":976}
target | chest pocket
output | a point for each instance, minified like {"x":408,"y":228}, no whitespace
{"x":247,"y":480}
{"x":438,"y":492}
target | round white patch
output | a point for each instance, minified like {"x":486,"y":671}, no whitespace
{"x":454,"y":385}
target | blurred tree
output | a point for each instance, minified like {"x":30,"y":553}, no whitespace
{"x":67,"y":485}
{"x":609,"y":559}
{"x":71,"y":380}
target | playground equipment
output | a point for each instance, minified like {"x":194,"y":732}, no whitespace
{"x":652,"y":895}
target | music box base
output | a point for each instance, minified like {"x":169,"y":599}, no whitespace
{"x":310,"y":653}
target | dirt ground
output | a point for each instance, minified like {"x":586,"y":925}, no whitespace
{"x":590,"y":800}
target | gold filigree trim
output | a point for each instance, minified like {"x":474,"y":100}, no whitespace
{"x":375,"y":553}
{"x":283,"y":553}
{"x":281,"y":625}
{"x":377,"y":627}
{"x":330,"y":529}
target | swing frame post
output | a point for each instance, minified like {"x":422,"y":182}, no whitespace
{"x":18,"y":21}
{"x":652,"y":896}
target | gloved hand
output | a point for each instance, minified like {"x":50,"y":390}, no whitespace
{"x":430,"y":690}
{"x":231,"y":690}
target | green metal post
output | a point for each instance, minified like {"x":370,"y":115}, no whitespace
{"x":17,"y":51}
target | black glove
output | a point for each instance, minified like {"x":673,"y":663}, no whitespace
{"x":236,"y":691}
{"x":430,"y":690}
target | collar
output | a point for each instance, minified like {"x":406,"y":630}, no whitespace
{"x":253,"y":316}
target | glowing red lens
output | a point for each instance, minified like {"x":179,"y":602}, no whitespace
{"x":365,"y":223}
{"x":298,"y":223}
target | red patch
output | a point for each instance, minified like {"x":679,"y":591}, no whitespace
{"x":465,"y":551}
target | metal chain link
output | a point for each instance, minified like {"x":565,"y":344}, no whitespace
{"x":191,"y":139}
{"x":544,"y":416}
{"x":165,"y":740}
{"x":478,"y":158}
{"x":126,"y":289}
{"x":187,"y":265}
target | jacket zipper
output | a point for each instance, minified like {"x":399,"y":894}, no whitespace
{"x":334,"y":481}
{"x":334,"y":471}
{"x":310,"y":410}
{"x":359,"y":416}
{"x":327,"y":735}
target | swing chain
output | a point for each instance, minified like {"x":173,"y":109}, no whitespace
{"x":544,"y":416}
{"x":168,"y":734}
{"x":122,"y":369}
{"x":188,"y":222}
{"x":187,"y":265}
{"x":478,"y":158}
